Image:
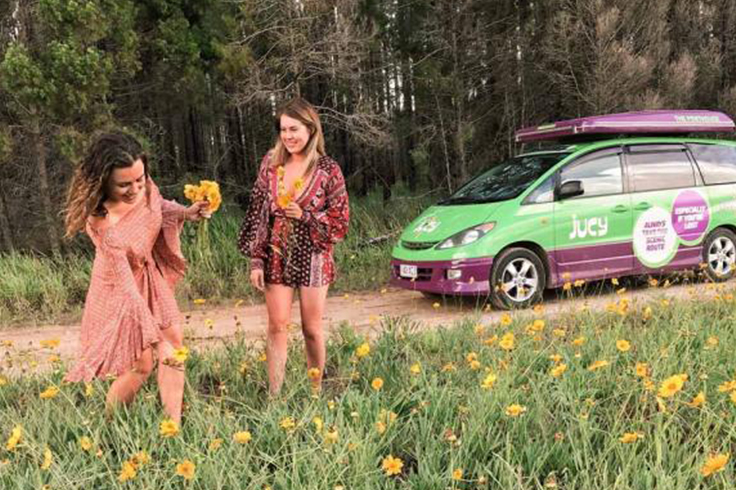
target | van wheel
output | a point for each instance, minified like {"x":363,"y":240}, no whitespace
{"x":518,"y":279}
{"x":719,"y":255}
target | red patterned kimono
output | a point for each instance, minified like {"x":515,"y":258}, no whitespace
{"x":137,"y":263}
{"x":296,"y":253}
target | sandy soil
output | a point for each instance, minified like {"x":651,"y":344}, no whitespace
{"x":22,"y":349}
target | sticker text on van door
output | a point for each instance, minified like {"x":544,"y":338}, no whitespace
{"x":588,"y":227}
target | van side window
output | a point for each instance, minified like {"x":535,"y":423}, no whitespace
{"x":545,"y":192}
{"x":655,"y":170}
{"x":717,"y":163}
{"x":600,"y":175}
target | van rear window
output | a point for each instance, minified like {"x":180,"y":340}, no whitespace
{"x":505,"y":180}
{"x":717,"y":163}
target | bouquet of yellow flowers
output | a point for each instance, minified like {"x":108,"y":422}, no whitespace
{"x":208,"y":191}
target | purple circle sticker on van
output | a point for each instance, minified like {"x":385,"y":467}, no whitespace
{"x":690,"y":215}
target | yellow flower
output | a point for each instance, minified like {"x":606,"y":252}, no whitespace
{"x":50,"y":344}
{"x":538,"y":325}
{"x":559,"y":332}
{"x":313,"y":373}
{"x":127,"y":472}
{"x":555,"y":357}
{"x":140,"y":458}
{"x":283,"y":200}
{"x":712,"y":341}
{"x":515,"y":410}
{"x":242,"y":437}
{"x":85,"y":443}
{"x":489,"y":381}
{"x":505,"y":320}
{"x":318,"y":424}
{"x":697,"y":401}
{"x":672,"y":385}
{"x":287,"y":424}
{"x":623,"y":345}
{"x":181,"y":354}
{"x":331,"y":436}
{"x":363,"y":350}
{"x":415,"y":368}
{"x":630,"y":437}
{"x":507,"y":341}
{"x":597,"y":365}
{"x":49,"y":393}
{"x":578,"y":341}
{"x":215,"y":444}
{"x":727,"y":386}
{"x":263,"y":357}
{"x":457,"y":475}
{"x":475,"y":365}
{"x":186,"y":469}
{"x":168,"y":428}
{"x":48,"y":458}
{"x":14,"y":439}
{"x":448,"y":367}
{"x":3,"y":380}
{"x":579,"y":283}
{"x":377,"y":384}
{"x":614,"y":281}
{"x":298,"y":184}
{"x":392,"y":466}
{"x":436,"y":306}
{"x":733,"y":397}
{"x":558,"y":370}
{"x":647,"y":313}
{"x":199,"y":301}
{"x":380,"y":427}
{"x":642,"y":369}
{"x":714,"y":464}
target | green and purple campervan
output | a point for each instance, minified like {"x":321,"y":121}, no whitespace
{"x":619,"y":195}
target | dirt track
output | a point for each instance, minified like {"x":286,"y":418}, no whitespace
{"x":21,"y":348}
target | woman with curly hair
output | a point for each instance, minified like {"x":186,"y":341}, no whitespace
{"x":130,"y":310}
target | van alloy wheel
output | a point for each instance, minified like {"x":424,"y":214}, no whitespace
{"x":721,"y":255}
{"x":520,"y":280}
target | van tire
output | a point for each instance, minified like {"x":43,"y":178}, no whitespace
{"x":506,"y":264}
{"x":719,"y":254}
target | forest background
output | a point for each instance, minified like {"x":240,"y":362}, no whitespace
{"x":420,"y":93}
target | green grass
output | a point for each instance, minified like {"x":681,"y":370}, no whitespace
{"x":45,"y":289}
{"x":568,"y":434}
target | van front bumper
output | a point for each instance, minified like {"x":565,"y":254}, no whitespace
{"x":460,"y":277}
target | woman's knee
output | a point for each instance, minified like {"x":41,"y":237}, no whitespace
{"x":144,"y":365}
{"x":312,"y":332}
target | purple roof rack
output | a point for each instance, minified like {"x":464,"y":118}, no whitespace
{"x":642,"y":122}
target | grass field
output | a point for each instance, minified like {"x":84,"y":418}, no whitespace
{"x":46,"y":289}
{"x":607,"y":399}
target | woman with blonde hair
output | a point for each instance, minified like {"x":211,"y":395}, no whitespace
{"x":298,"y":210}
{"x":130,"y":309}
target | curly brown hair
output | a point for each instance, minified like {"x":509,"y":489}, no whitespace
{"x":88,"y":188}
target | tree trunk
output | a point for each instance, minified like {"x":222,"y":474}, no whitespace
{"x":44,"y":191}
{"x":6,"y":233}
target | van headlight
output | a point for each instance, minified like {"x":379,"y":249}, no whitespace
{"x":467,"y":237}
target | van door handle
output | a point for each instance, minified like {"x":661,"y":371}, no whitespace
{"x":620,"y":208}
{"x":642,"y":206}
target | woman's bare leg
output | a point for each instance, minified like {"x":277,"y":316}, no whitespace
{"x":278,"y":304}
{"x":170,"y":375}
{"x":312,"y":306}
{"x":124,"y":388}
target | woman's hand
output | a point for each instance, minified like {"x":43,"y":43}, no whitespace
{"x":293,"y":211}
{"x":197,"y":211}
{"x":256,"y":279}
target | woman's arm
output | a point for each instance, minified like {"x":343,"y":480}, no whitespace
{"x":252,"y":238}
{"x":330,"y":225}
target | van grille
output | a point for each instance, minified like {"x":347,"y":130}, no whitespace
{"x":418,"y":245}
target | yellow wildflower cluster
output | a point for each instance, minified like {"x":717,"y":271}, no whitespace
{"x":207,"y":190}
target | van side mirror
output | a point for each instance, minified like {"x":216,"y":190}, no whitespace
{"x":570,"y":188}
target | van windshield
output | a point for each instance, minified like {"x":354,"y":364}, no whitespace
{"x":504,"y":181}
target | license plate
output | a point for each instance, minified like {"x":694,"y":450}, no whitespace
{"x":408,"y":271}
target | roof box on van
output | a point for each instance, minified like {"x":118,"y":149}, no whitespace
{"x":657,"y":122}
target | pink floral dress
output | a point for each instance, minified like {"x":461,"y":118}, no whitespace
{"x":130,"y":299}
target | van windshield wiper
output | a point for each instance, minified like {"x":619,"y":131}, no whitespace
{"x":459,"y":200}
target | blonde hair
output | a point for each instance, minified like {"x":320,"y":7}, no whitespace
{"x":88,"y":188}
{"x":304,"y":112}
